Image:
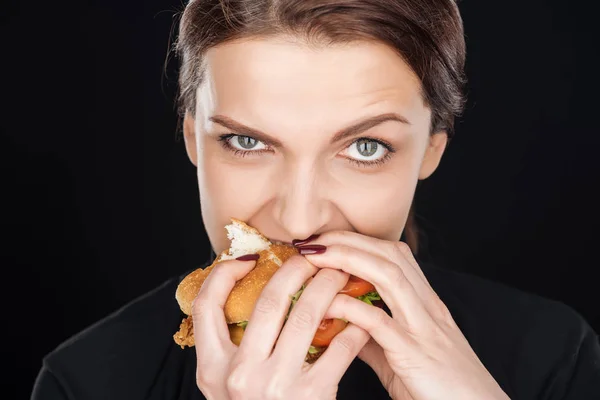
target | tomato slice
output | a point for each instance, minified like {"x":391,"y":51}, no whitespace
{"x":357,"y":287}
{"x":327,"y":330}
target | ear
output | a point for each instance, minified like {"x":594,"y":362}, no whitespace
{"x":189,"y":136}
{"x":433,"y":154}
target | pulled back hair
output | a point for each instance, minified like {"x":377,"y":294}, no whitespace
{"x":427,"y":34}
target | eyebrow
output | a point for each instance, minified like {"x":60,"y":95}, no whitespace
{"x":351,"y":130}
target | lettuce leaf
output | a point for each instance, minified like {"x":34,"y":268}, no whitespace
{"x":313,"y":350}
{"x":367,"y":298}
{"x":370,"y":297}
{"x":295,"y":299}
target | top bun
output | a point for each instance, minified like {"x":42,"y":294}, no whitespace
{"x":245,"y":293}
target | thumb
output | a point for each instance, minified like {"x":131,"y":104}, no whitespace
{"x":374,"y":356}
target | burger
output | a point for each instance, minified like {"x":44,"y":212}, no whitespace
{"x":240,"y":303}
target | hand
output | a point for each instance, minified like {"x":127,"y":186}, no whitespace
{"x":418,"y":352}
{"x":259,"y":368}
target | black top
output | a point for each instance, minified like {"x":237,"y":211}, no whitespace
{"x":534,"y":347}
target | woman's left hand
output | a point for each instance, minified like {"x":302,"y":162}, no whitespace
{"x":419,"y":352}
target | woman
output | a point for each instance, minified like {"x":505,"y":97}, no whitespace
{"x":313,"y":121}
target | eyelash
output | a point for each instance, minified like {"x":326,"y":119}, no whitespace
{"x":224,"y":141}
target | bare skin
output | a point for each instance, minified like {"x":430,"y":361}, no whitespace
{"x":267,"y":140}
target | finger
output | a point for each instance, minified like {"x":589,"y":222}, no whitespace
{"x":386,"y":331}
{"x":306,"y":316}
{"x":336,"y":359}
{"x":395,"y":252}
{"x":373,"y":355}
{"x":210,"y":326}
{"x":388,"y":278}
{"x":403,"y":249}
{"x":431,"y":299}
{"x":272,"y":307}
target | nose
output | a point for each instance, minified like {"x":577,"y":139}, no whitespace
{"x":302,"y":205}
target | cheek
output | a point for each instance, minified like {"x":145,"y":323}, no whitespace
{"x":226,"y":189}
{"x":375,"y":204}
{"x":379,"y":210}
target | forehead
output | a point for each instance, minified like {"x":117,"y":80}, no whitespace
{"x":255,"y":80}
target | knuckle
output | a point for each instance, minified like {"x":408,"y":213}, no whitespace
{"x":205,"y":379}
{"x":380,"y":318}
{"x":220,"y":270}
{"x":341,"y":300}
{"x":399,"y":279}
{"x":301,"y":318}
{"x":345,"y":251}
{"x":298,"y":262}
{"x":341,"y":236}
{"x":399,"y":250}
{"x":199,"y":308}
{"x":329,"y":275}
{"x":293,"y":262}
{"x":403,"y":247}
{"x":275,"y":389}
{"x":237,"y":383}
{"x":442,"y":311}
{"x":344,"y":343}
{"x":267,"y":303}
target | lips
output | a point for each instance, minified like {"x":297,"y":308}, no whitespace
{"x":275,"y":241}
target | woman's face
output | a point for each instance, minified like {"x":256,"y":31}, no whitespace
{"x":297,"y":141}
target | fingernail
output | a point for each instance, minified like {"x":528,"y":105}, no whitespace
{"x":300,"y":242}
{"x":248,"y":257}
{"x":312,"y":249}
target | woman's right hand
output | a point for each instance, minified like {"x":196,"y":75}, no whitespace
{"x":269,"y":363}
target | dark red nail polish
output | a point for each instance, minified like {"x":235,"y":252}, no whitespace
{"x":248,"y":257}
{"x":300,"y":242}
{"x":312,"y":249}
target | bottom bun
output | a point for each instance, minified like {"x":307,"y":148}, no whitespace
{"x":185,"y":337}
{"x":237,"y":332}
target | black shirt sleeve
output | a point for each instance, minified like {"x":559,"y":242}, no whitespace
{"x":47,"y":387}
{"x":581,"y":377}
{"x":535,"y":348}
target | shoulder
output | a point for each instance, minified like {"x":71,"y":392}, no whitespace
{"x":125,"y":324}
{"x":135,"y":337}
{"x":535,"y":346}
{"x":495,"y":302}
{"x":497,"y":305}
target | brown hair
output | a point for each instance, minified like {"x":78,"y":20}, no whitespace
{"x":426,"y":34}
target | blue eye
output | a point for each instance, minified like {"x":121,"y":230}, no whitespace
{"x":364,"y":152}
{"x":242,"y":146}
{"x":367,"y":152}
{"x":245,"y":142}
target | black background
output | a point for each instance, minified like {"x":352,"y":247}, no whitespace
{"x":99,"y":202}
